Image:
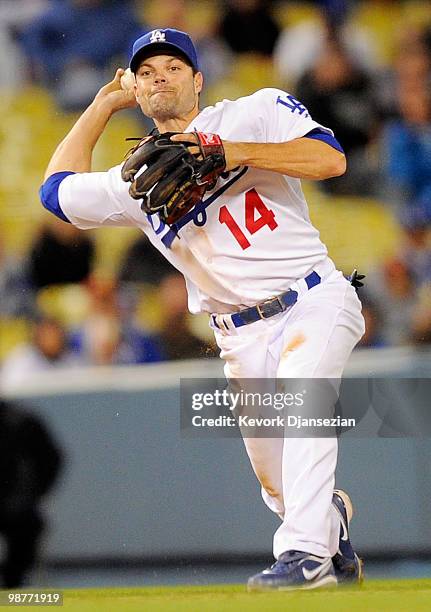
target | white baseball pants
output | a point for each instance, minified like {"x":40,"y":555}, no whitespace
{"x":312,"y":339}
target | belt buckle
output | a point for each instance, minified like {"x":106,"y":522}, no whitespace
{"x":268,"y":301}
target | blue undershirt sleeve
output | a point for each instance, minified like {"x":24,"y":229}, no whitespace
{"x":48,"y":194}
{"x":324,"y":136}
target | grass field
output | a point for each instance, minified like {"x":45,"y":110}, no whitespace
{"x":373,"y":596}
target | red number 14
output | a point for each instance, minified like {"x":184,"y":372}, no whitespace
{"x":253,"y":205}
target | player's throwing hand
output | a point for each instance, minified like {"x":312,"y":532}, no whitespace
{"x":118,"y":93}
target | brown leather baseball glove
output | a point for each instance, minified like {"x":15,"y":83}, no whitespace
{"x":172,"y":177}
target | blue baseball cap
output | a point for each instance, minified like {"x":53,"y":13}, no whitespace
{"x":163,"y":40}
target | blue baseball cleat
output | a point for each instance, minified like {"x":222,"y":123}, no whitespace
{"x":295,"y":570}
{"x":347,"y":564}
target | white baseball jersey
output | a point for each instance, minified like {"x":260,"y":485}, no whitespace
{"x":249,"y":239}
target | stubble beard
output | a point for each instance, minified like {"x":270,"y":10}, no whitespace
{"x":165,"y":107}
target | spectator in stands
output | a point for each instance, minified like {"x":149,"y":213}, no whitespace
{"x":394,"y":293}
{"x":247,"y":26}
{"x":17,"y":296}
{"x":400,"y":292}
{"x":14,"y":17}
{"x":407,"y":148}
{"x":46,"y":351}
{"x":410,"y":70}
{"x":415,"y":252}
{"x":372,"y":337}
{"x":421,"y":318}
{"x":143,"y":263}
{"x":61,"y":254}
{"x":30,"y":461}
{"x":337,"y":93}
{"x":177,"y":339}
{"x":74,"y":42}
{"x":415,"y":247}
{"x":106,"y":336}
{"x":300,"y":46}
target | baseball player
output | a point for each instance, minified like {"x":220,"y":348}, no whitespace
{"x":250,"y":256}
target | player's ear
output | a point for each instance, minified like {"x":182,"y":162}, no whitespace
{"x":199,"y":82}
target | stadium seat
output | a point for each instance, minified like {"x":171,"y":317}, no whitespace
{"x":347,"y":221}
{"x":12,"y":333}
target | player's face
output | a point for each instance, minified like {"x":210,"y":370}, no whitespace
{"x":166,"y":87}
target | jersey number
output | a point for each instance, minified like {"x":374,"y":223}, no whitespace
{"x":253,"y":205}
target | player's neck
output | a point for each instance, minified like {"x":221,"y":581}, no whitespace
{"x":176,"y":124}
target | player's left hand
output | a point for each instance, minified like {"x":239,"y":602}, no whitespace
{"x":190,"y":137}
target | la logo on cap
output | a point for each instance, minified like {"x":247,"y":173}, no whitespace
{"x":157,"y":36}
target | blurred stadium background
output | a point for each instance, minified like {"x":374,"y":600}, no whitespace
{"x":95,"y":345}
